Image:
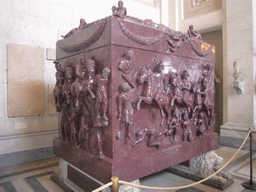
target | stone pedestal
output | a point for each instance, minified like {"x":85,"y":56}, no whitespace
{"x":71,"y":178}
{"x":138,"y":98}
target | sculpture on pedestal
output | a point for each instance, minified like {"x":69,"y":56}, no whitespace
{"x":237,"y":83}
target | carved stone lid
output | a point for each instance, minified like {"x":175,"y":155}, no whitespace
{"x":135,"y":33}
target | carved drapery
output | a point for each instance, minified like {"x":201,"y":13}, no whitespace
{"x":148,"y":41}
{"x":84,"y":44}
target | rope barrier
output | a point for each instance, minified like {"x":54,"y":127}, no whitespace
{"x":179,"y":187}
{"x":103,"y":187}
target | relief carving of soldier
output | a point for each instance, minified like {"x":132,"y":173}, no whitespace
{"x":125,"y":65}
{"x":173,"y":124}
{"x":205,"y":90}
{"x":67,"y":99}
{"x":147,"y":132}
{"x":185,"y":86}
{"x":201,"y":125}
{"x":125,"y":110}
{"x":101,"y":104}
{"x":187,"y":133}
{"x":60,"y":73}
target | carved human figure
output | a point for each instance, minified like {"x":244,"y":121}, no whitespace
{"x":160,"y":80}
{"x":193,"y":34}
{"x":197,"y":101}
{"x":187,"y":133}
{"x":201,"y":124}
{"x":143,"y":132}
{"x":90,"y":77}
{"x":185,"y":86}
{"x":58,"y":86}
{"x":90,"y":71}
{"x":77,"y":87}
{"x":80,"y":88}
{"x":173,"y":124}
{"x":101,"y":103}
{"x":100,"y":141}
{"x":161,"y":85}
{"x":66,"y":95}
{"x":83,"y":63}
{"x":73,"y":118}
{"x":176,"y":91}
{"x":125,"y":110}
{"x":237,"y":73}
{"x":119,"y":11}
{"x":66,"y":89}
{"x":81,"y":26}
{"x":125,"y":65}
{"x":176,"y":41}
{"x":84,"y":131}
{"x":207,"y":102}
{"x":146,"y":79}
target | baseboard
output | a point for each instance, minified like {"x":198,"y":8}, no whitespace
{"x":28,"y":141}
{"x":236,"y":143}
{"x":22,"y":157}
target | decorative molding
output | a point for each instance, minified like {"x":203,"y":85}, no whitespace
{"x":199,"y":52}
{"x":194,"y":8}
{"x":147,"y":41}
{"x":86,"y":43}
{"x":152,"y":3}
{"x":199,"y":2}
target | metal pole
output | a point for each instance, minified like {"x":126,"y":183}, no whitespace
{"x":250,"y":184}
{"x":115,"y":184}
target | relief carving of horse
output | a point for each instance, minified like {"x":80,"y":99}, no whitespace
{"x":150,"y":93}
{"x":181,"y":93}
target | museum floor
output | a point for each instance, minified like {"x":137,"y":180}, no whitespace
{"x":35,"y":176}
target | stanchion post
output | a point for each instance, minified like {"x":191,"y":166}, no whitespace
{"x":250,"y":184}
{"x":115,"y":184}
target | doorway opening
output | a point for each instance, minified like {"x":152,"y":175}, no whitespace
{"x":215,"y":38}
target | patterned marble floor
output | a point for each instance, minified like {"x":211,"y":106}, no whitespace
{"x":35,"y":176}
{"x":30,"y":177}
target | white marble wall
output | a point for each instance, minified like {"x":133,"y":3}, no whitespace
{"x":238,"y":40}
{"x":40,"y":23}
